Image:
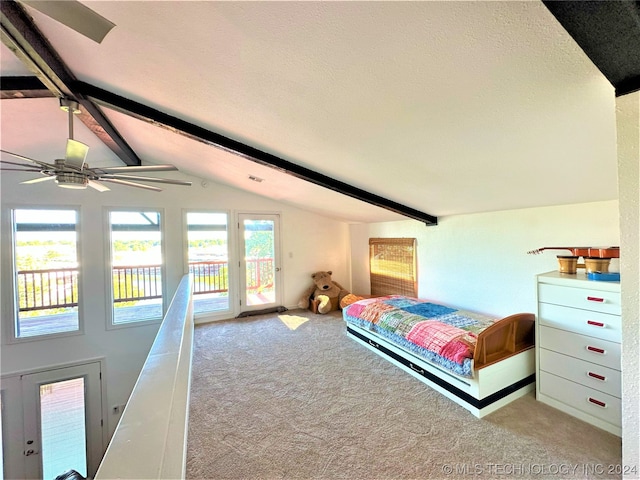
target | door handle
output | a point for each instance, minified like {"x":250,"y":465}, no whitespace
{"x":30,"y":452}
{"x":277,"y":269}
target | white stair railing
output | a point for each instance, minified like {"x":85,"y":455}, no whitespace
{"x":150,"y":440}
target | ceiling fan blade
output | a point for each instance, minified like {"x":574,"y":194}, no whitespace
{"x":76,"y":16}
{"x":131,"y":184}
{"x":38,"y":180}
{"x":27,"y":159}
{"x":147,"y":179}
{"x":3,"y":169}
{"x":25,"y":168}
{"x":136,"y":169}
{"x":76,"y":153}
{"x":98,"y":186}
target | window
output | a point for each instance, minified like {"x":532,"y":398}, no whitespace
{"x":392,"y":264}
{"x":45,"y":245}
{"x":208,"y":258}
{"x":136,"y":266}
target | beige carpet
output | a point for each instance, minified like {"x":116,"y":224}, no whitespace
{"x":285,"y":398}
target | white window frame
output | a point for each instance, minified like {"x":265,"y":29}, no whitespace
{"x":213,"y":314}
{"x":110,"y":324}
{"x":8,"y":257}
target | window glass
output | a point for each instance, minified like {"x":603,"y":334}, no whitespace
{"x":136,"y":266}
{"x":46,"y":271}
{"x":63,"y":429}
{"x":208,"y":255}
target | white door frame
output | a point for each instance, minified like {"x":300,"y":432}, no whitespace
{"x":21,"y":413}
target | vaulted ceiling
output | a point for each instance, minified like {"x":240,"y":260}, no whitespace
{"x":422,"y":109}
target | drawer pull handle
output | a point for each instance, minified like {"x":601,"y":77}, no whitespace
{"x":595,"y":299}
{"x":374,"y":344}
{"x":595,"y":349}
{"x":597,"y":402}
{"x":595,"y":324}
{"x":597,"y":376}
{"x":419,"y":370}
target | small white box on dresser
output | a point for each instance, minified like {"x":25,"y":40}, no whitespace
{"x":578,"y":337}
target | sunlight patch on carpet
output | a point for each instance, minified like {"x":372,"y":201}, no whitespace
{"x":292,"y":321}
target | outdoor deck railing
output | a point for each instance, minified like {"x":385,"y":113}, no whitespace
{"x":209,"y":277}
{"x":47,"y":288}
{"x":58,"y":288}
{"x":135,"y":282}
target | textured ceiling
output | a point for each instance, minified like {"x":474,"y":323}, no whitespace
{"x":446,"y":107}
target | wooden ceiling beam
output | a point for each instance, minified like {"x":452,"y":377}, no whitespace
{"x":23,"y":38}
{"x":609,"y":34}
{"x":182,"y":127}
{"x":23,"y":87}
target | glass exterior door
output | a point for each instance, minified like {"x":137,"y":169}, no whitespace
{"x":259,"y":265}
{"x":62,"y":421}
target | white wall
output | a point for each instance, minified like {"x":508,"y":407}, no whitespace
{"x":309,"y":242}
{"x":480,"y":261}
{"x":628,"y":122}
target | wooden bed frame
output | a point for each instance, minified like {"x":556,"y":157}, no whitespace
{"x":504,"y":364}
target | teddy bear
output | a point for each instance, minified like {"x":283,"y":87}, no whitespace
{"x":325,"y":295}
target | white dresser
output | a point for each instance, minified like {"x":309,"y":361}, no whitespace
{"x":578,"y":335}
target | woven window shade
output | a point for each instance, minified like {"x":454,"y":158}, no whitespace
{"x":392,"y":263}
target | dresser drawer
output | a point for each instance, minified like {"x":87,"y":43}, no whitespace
{"x":585,"y":322}
{"x":584,"y":298}
{"x":585,"y":399}
{"x":603,"y":379}
{"x":594,"y":350}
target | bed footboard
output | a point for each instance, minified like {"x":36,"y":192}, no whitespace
{"x":507,"y":337}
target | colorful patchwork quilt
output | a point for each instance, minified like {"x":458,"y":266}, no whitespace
{"x":442,"y":335}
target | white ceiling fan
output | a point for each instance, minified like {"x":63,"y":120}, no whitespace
{"x":73,"y":172}
{"x":74,"y":15}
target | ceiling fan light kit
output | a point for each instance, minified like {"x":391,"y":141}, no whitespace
{"x":73,"y":181}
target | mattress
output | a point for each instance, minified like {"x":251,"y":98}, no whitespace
{"x":440,"y":334}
